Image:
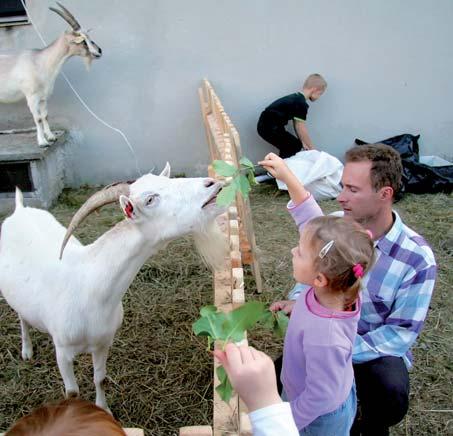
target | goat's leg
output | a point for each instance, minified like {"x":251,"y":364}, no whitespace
{"x":33,"y":104}
{"x":99,"y":371}
{"x":43,"y":113}
{"x":27,"y":347}
{"x":66,"y":367}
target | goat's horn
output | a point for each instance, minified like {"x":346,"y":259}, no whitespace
{"x":67,"y":16}
{"x":108,"y":195}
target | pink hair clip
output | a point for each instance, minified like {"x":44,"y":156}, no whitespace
{"x":358,"y":270}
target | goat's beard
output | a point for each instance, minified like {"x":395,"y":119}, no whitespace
{"x":212,"y":245}
{"x":88,"y":59}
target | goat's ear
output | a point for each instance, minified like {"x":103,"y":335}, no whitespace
{"x":166,"y":171}
{"x":127,"y":206}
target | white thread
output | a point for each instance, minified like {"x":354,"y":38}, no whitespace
{"x":80,"y":98}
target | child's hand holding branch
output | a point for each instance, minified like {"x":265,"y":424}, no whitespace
{"x":277,"y":167}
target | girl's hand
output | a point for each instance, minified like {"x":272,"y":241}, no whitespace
{"x":252,"y":375}
{"x":276,"y":166}
{"x":284,"y":305}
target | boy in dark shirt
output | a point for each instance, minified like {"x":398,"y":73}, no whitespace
{"x":272,"y":122}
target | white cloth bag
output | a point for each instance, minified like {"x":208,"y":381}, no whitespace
{"x":319,"y":171}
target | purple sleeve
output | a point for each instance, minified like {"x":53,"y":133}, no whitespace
{"x":304,"y":212}
{"x":325,"y":379}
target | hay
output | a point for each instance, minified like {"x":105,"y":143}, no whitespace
{"x":159,"y":374}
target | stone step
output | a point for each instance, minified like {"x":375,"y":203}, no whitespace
{"x":38,"y":171}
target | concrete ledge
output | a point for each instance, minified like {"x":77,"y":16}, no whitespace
{"x":46,"y":167}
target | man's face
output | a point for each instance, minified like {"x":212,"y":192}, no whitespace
{"x":358,"y":199}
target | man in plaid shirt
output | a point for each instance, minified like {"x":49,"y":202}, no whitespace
{"x":396,"y":292}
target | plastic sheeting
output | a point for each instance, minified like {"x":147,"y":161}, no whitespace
{"x":421,"y":174}
{"x":319,"y":171}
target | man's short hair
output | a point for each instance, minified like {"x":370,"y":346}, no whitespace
{"x":386,"y":166}
{"x":315,"y":81}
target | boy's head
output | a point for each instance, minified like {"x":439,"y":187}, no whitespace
{"x":69,"y":417}
{"x":314,"y":86}
{"x":371,"y":178}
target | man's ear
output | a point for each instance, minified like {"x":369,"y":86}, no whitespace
{"x":321,"y":281}
{"x":128,"y":207}
{"x":386,"y":193}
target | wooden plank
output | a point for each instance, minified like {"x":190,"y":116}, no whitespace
{"x":134,"y":432}
{"x":198,"y":430}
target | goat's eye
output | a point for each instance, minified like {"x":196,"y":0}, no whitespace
{"x":150,"y":199}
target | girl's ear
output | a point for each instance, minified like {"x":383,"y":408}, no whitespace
{"x":128,"y":207}
{"x":321,"y":280}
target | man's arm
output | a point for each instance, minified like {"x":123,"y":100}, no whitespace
{"x":302,"y":133}
{"x":404,"y":324}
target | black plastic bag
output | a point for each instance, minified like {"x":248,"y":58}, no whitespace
{"x":418,"y":178}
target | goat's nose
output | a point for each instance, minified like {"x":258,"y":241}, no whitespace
{"x":209,"y":182}
{"x":100,"y":50}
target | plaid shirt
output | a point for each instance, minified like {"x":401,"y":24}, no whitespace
{"x":396,"y":292}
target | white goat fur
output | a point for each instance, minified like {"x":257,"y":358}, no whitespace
{"x":77,"y":300}
{"x":31,"y":74}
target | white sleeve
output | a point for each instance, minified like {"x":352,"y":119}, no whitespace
{"x":275,"y":420}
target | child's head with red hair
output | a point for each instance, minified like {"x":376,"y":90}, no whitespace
{"x":72,"y":417}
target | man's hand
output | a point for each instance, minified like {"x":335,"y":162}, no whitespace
{"x":252,"y":375}
{"x":284,"y":305}
{"x":277,"y":167}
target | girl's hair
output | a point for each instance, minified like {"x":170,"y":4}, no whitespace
{"x":72,"y":417}
{"x":352,"y":245}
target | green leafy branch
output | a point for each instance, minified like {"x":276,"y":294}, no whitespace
{"x":231,"y":327}
{"x":243,"y":179}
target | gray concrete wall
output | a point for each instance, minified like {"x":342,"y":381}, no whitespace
{"x":389,"y":65}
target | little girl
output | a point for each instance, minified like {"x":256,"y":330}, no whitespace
{"x":332,"y":256}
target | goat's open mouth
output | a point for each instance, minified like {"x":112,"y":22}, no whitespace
{"x":212,"y":199}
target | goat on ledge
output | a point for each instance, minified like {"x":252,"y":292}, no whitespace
{"x":31,"y":74}
{"x":77,"y":299}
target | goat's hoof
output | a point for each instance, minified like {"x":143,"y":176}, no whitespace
{"x":27,"y":353}
{"x":52,"y":138}
{"x":43,"y":144}
{"x":72,"y":394}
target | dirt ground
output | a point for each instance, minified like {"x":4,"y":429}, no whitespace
{"x":160,"y":375}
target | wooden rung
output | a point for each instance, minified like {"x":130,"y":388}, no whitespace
{"x":233,"y":212}
{"x":234,"y":242}
{"x":134,"y":431}
{"x":234,"y":227}
{"x":236,"y":259}
{"x":237,"y":297}
{"x":238,"y":278}
{"x":245,"y":426}
{"x":198,"y":430}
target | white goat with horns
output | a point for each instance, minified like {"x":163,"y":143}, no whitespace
{"x":31,"y":74}
{"x":77,"y":299}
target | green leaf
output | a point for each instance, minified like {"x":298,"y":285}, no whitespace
{"x":224,"y":169}
{"x":227,"y":195}
{"x":246,"y":162}
{"x":224,"y":389}
{"x":244,"y":185}
{"x":251,"y":178}
{"x":210,"y":325}
{"x":275,"y":321}
{"x":241,"y":319}
{"x":231,"y":326}
{"x":208,"y":310}
{"x":268,"y":320}
{"x":281,"y":324}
